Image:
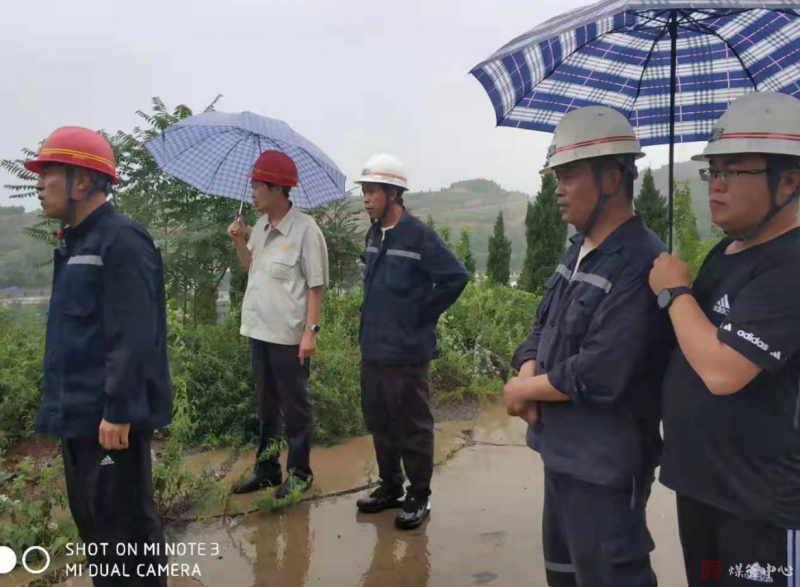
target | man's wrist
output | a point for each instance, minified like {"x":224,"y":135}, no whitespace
{"x":678,"y":304}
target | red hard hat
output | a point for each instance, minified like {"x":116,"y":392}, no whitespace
{"x":276,"y":168}
{"x":75,"y":145}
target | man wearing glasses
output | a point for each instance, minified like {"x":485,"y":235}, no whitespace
{"x":731,"y":407}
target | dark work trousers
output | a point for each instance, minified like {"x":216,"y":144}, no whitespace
{"x":595,"y":535}
{"x":395,"y":400}
{"x":111,"y":499}
{"x":283,"y":396}
{"x":718,"y":548}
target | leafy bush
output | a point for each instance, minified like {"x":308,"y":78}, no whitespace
{"x":28,"y":510}
{"x":213,"y":362}
{"x":174,"y":488}
{"x":21,"y":380}
{"x":211,"y":367}
{"x":494,"y":317}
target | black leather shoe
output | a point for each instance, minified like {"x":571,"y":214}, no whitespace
{"x":291,"y":485}
{"x":256,"y":481}
{"x":383,"y":498}
{"x":414,"y":512}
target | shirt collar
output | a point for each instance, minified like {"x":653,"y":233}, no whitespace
{"x":617,"y":239}
{"x":286,"y":224}
{"x":89,"y":221}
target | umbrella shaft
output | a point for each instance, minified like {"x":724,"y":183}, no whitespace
{"x":673,"y":74}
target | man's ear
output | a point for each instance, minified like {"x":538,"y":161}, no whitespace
{"x":611,"y":179}
{"x":789,"y":184}
{"x":82,"y":182}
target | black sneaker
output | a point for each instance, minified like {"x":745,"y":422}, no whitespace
{"x":414,"y":512}
{"x":257,"y":480}
{"x":384,"y":497}
{"x":292,"y":484}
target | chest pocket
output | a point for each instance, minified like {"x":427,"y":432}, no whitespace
{"x":285,"y":268}
{"x":581,"y":310}
{"x":400,"y":270}
{"x":547,"y":299}
{"x":80,"y":286}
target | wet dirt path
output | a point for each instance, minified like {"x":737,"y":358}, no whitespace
{"x":484,"y":528}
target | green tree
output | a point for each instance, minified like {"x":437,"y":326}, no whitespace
{"x":431,"y":222}
{"x":464,"y":252}
{"x":546,"y":235}
{"x":45,"y":229}
{"x":338,"y":222}
{"x":190,"y":227}
{"x":446,"y":233}
{"x":653,"y":206}
{"x":687,"y":236}
{"x":498,"y":266}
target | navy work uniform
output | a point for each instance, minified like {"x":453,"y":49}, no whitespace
{"x":411,"y":278}
{"x":602,"y":340}
{"x":106,"y":358}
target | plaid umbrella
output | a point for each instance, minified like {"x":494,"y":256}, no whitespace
{"x":214,"y":151}
{"x":671,"y":66}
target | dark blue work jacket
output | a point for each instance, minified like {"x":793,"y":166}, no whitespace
{"x":106,"y":348}
{"x":410,"y":278}
{"x":602,"y":340}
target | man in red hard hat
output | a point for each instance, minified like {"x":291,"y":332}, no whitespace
{"x":287,"y":263}
{"x":107,"y":382}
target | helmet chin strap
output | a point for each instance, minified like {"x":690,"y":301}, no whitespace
{"x":775,"y":167}
{"x":70,"y":181}
{"x":597,"y":170}
{"x":386,"y":208}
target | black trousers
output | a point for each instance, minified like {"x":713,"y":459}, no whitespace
{"x":720,"y":544}
{"x":595,"y":535}
{"x":111,"y":499}
{"x":395,"y":400}
{"x":283,"y":397}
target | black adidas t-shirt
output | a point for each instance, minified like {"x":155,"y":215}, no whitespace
{"x":741,"y":452}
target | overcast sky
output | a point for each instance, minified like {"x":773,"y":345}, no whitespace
{"x":355,"y":76}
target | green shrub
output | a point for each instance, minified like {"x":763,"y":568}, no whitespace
{"x":21,"y":380}
{"x":28,"y":509}
{"x":497,"y":318}
{"x":211,"y":365}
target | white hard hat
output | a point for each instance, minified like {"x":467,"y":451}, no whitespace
{"x":383,"y":168}
{"x":758,"y":122}
{"x":592,"y":131}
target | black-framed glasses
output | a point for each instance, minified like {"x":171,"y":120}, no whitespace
{"x":726,"y":174}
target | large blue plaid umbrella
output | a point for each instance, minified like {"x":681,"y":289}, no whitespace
{"x":214,"y":151}
{"x":672,"y":67}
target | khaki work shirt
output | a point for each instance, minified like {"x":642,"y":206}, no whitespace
{"x":287,"y":261}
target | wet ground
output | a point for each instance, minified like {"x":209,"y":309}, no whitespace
{"x":484,"y":528}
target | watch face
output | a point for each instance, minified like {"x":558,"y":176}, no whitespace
{"x":664,"y":298}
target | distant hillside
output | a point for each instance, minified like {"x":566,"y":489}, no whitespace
{"x":19,"y":254}
{"x":474,"y":204}
{"x":683,"y":171}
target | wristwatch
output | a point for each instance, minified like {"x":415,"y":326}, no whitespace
{"x":313,"y":328}
{"x":667,"y":296}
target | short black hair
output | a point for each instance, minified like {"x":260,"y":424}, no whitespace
{"x":624,"y":163}
{"x":286,"y":189}
{"x":100,"y":181}
{"x":398,"y":191}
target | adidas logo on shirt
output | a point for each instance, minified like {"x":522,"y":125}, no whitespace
{"x":723,"y":306}
{"x":777,"y":355}
{"x":728,"y":327}
{"x":750,"y":337}
{"x":106,"y":461}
